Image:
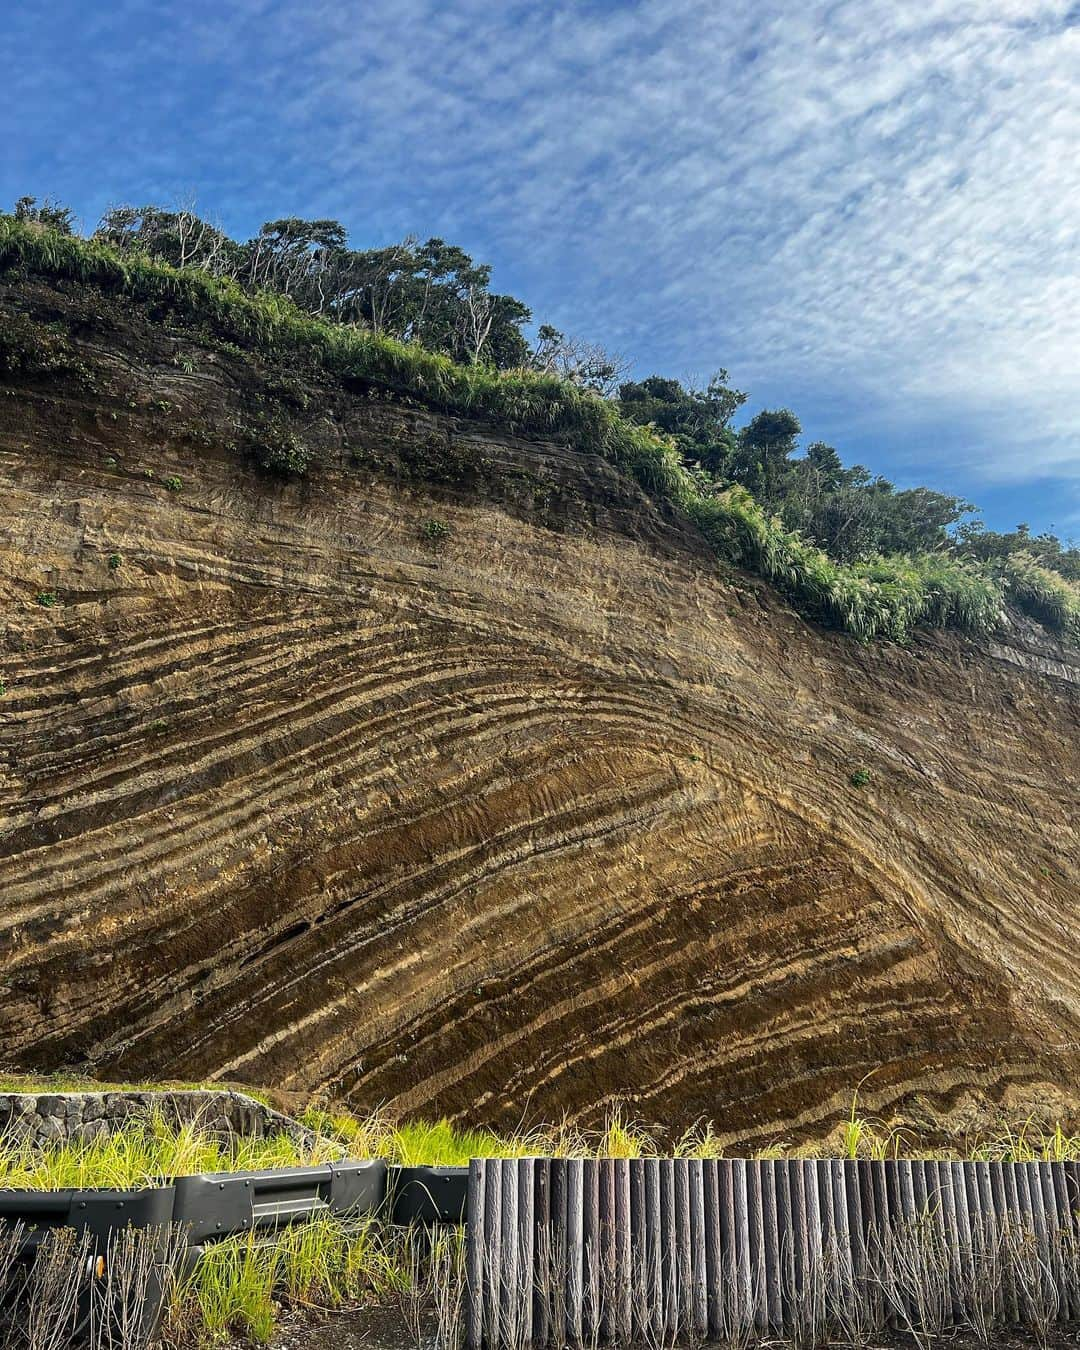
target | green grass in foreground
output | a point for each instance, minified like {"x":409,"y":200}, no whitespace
{"x":150,"y":1151}
{"x":240,"y":1286}
{"x":883,"y":597}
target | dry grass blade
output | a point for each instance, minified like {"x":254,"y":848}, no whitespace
{"x":138,"y":1283}
{"x":56,"y":1290}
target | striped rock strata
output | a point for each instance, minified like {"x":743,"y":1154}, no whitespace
{"x":504,"y":820}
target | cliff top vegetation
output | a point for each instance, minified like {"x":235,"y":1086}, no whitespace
{"x":420,"y":321}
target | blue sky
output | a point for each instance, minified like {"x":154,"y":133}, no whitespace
{"x":867,"y":210}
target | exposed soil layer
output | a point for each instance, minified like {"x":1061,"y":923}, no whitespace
{"x":385,"y":1329}
{"x":380,"y":1328}
{"x":506,"y":815}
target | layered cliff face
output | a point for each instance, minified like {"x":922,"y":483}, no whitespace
{"x":455,"y":777}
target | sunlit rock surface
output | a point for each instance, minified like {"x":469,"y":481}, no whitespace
{"x":507,"y":820}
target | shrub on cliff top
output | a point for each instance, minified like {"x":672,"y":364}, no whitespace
{"x":1045,"y":595}
{"x":885,"y":597}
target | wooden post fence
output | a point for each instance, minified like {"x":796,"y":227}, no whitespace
{"x":579,"y":1252}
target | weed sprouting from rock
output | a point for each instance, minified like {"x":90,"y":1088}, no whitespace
{"x":281,"y":452}
{"x":436,"y":532}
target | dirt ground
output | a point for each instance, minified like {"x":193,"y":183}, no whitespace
{"x":385,"y":1329}
{"x":371,"y":1328}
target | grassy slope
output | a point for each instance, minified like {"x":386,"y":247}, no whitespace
{"x":886,"y":597}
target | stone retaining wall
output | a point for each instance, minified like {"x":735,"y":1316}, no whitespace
{"x":52,"y":1116}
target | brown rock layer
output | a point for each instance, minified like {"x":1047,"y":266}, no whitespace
{"x":504,"y":824}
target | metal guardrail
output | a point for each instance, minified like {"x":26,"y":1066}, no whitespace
{"x":98,"y":1212}
{"x":96,"y":1218}
{"x":428,"y":1195}
{"x":212,"y":1206}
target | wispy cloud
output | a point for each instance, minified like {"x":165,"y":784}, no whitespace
{"x":873,"y":205}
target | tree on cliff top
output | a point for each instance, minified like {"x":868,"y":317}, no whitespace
{"x":435,"y":295}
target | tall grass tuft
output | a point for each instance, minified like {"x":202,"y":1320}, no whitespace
{"x":149,"y":1152}
{"x":229,"y":1293}
{"x":1046,"y":596}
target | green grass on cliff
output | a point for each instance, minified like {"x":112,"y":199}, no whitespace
{"x":885,"y":597}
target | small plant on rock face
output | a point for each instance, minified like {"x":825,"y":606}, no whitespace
{"x":185,"y":362}
{"x":114,"y":561}
{"x":3,"y":686}
{"x":281,"y":452}
{"x":435,"y":531}
{"x":289,"y":392}
{"x":174,"y":484}
{"x":48,"y":598}
{"x":860,"y":778}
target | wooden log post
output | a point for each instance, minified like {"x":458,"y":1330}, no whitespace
{"x":475,"y":1253}
{"x":648,"y":1239}
{"x":605,"y":1168}
{"x":510,"y":1282}
{"x":699,"y":1299}
{"x":1004,"y":1217}
{"x":622,"y":1320}
{"x":593,"y":1288}
{"x":543,"y":1264}
{"x":492,"y":1276}
{"x":575,"y":1252}
{"x":669,"y":1263}
{"x":756,"y":1238}
{"x":526,"y":1254}
{"x":746,"y":1305}
{"x":815,"y":1227}
{"x":770,"y":1244}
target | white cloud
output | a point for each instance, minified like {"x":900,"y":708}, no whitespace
{"x":875,"y":199}
{"x":862,"y":192}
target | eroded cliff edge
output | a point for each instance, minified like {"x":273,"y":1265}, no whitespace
{"x":456,"y":777}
